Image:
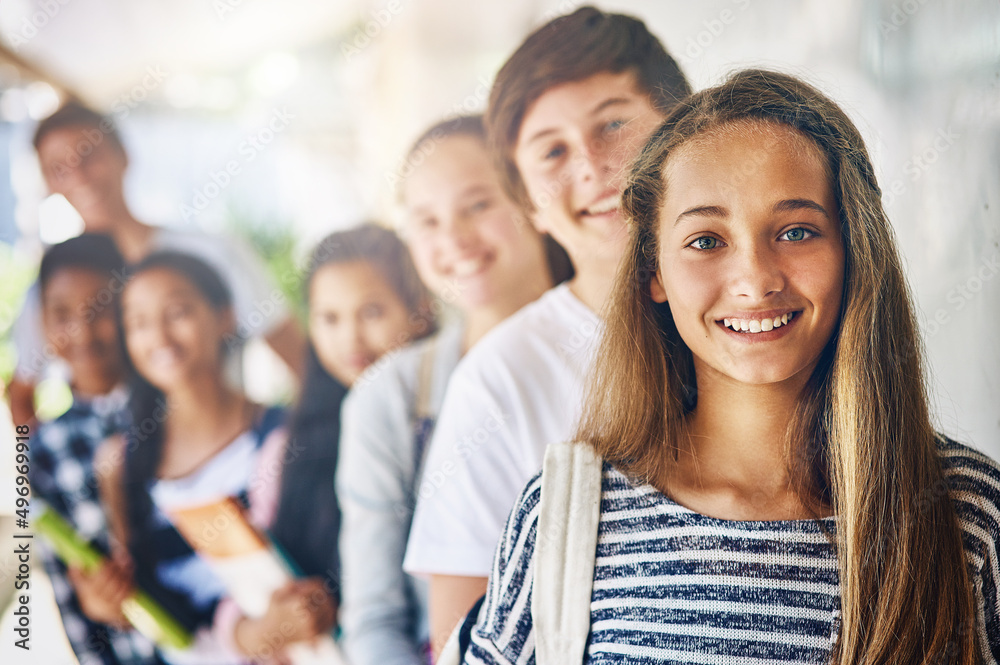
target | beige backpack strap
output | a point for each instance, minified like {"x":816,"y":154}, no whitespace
{"x":425,"y":379}
{"x":565,"y":550}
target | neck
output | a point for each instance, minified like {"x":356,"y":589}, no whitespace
{"x":95,"y":386}
{"x":202,"y":404}
{"x":735,"y":463}
{"x":130,"y":235}
{"x":480,"y":320}
{"x":592,"y":284}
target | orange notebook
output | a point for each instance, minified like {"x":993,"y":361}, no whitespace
{"x":247,"y":563}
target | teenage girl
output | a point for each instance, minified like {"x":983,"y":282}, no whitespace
{"x":365,"y":300}
{"x":772,"y":486}
{"x":476,"y":252}
{"x":192,"y":437}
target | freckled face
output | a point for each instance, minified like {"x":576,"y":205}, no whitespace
{"x":751,"y":259}
{"x":573,"y":150}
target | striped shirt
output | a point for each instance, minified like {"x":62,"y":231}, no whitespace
{"x":674,"y":586}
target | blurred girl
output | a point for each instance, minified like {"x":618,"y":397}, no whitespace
{"x":476,"y":252}
{"x":192,"y":437}
{"x":365,"y":300}
{"x":772,"y":486}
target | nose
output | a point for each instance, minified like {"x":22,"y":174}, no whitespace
{"x":591,"y":160}
{"x":756,"y":272}
{"x":461,"y":231}
{"x":353,"y":334}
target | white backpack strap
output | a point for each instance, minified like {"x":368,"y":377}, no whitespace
{"x":565,"y":549}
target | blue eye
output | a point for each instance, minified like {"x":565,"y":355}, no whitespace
{"x":480,"y":206}
{"x":614,"y":125}
{"x":554,"y":153}
{"x":705,"y":242}
{"x":796,"y":235}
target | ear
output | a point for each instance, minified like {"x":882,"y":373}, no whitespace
{"x":656,"y":290}
{"x":537,"y":221}
{"x":227,"y":321}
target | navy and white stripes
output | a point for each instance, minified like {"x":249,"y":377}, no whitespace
{"x":674,"y":586}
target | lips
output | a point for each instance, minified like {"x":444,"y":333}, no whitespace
{"x":759,"y":326}
{"x":470,"y":266}
{"x":164,"y":357}
{"x":607,"y":205}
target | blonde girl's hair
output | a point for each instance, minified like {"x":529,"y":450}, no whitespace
{"x":860,"y":442}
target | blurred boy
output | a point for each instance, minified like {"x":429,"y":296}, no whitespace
{"x":569,"y":111}
{"x":78,"y":280}
{"x":83,"y":159}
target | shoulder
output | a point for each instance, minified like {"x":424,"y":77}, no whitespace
{"x":546,"y":333}
{"x":523,"y":520}
{"x":973,"y":480}
{"x":968,"y":469}
{"x":228,"y":254}
{"x":395,"y":371}
{"x":109,"y":458}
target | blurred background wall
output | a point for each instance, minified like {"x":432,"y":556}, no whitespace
{"x":317,"y":102}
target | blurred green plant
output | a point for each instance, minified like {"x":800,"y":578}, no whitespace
{"x":16,"y":275}
{"x":275,"y":243}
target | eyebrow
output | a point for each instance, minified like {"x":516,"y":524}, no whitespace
{"x":787,"y":205}
{"x":475,"y":190}
{"x":611,"y":101}
{"x":702,"y":211}
{"x":791,"y":205}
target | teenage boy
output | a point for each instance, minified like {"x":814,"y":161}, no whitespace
{"x":83,"y":158}
{"x":569,"y":111}
{"x":78,"y":318}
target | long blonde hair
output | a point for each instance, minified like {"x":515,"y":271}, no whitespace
{"x":860,"y":442}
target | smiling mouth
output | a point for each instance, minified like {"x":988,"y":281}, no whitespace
{"x":470,"y":267}
{"x":754,"y":326}
{"x":604,"y":206}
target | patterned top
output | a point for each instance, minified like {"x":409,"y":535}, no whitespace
{"x":674,"y":586}
{"x":165,"y":565}
{"x":62,"y":475}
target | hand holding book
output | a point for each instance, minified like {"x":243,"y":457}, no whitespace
{"x":144,"y":613}
{"x":102,"y":590}
{"x":299,"y":611}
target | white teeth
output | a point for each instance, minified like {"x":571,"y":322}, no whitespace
{"x":756,"y":326}
{"x":607,"y":204}
{"x":467,"y":267}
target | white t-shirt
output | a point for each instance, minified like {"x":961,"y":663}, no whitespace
{"x":517,"y":390}
{"x":259,"y":305}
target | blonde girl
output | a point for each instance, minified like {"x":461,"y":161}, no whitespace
{"x":772,"y":485}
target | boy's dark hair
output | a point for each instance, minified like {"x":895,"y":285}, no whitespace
{"x":96,"y":252}
{"x":572,"y":48}
{"x":74,"y":114}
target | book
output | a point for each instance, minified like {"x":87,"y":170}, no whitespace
{"x":249,"y":565}
{"x":144,"y":613}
